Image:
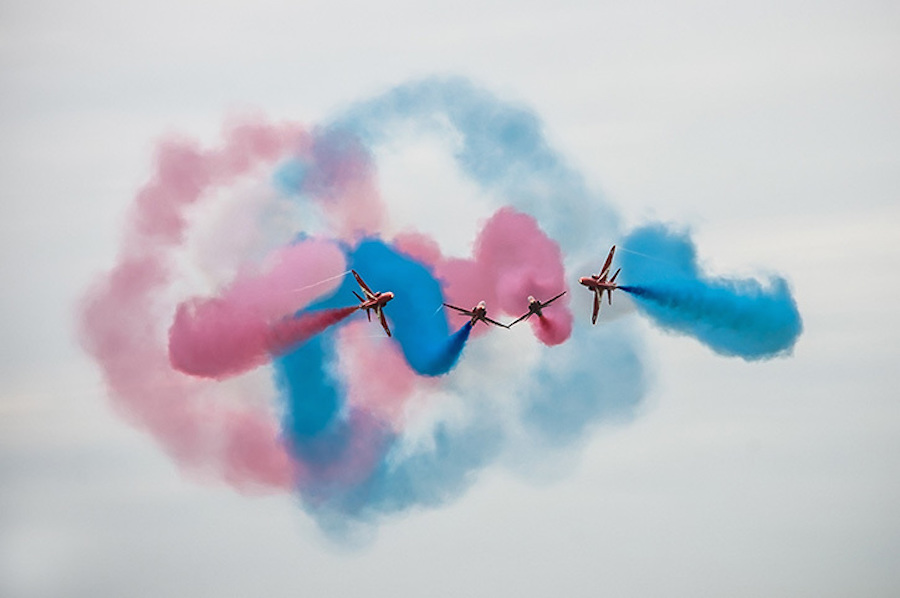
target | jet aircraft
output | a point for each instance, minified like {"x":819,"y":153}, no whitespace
{"x":597,"y":283}
{"x":479,"y":312}
{"x":373,"y":301}
{"x":535,"y":308}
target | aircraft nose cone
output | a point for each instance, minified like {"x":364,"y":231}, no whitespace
{"x":583,"y":280}
{"x":388,"y":296}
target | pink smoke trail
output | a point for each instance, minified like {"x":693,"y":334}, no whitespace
{"x":121,"y":323}
{"x":248,"y":323}
{"x":289,"y":332}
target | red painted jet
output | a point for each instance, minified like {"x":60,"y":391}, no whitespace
{"x":599,"y":283}
{"x":479,"y":312}
{"x":373,"y":302}
{"x":535,"y":308}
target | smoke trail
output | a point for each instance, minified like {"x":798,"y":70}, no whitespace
{"x":289,"y":332}
{"x":512,"y":259}
{"x":430,"y":475}
{"x":335,"y":446}
{"x":499,"y":145}
{"x":423,"y":335}
{"x":121,"y":315}
{"x":354,"y":465}
{"x":596,"y":376}
{"x":238,"y":330}
{"x":337,"y":173}
{"x":214,"y":339}
{"x":741,"y":317}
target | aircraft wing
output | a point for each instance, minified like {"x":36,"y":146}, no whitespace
{"x":363,"y":285}
{"x":467,"y":312}
{"x":495,"y":322}
{"x":384,"y":323}
{"x":546,"y":303}
{"x":596,"y":307}
{"x":609,"y":258}
{"x":519,"y":319}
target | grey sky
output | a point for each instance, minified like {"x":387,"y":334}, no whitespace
{"x":771,"y":129}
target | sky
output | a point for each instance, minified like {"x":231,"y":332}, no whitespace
{"x":770,"y":130}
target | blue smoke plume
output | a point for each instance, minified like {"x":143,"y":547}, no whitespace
{"x":416,"y":316}
{"x":739,"y":317}
{"x":501,"y":146}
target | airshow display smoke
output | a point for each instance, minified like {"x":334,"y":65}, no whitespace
{"x":742,"y":317}
{"x":361,"y":424}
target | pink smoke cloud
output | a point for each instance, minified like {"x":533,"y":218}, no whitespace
{"x":123,"y":320}
{"x":250,"y":321}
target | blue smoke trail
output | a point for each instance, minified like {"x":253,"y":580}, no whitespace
{"x":312,"y":392}
{"x":502,"y":148}
{"x":738,"y":317}
{"x":318,"y":431}
{"x":422,"y":333}
{"x":321,"y":435}
{"x":321,"y":432}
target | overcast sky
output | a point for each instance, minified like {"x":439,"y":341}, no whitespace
{"x":771,"y":129}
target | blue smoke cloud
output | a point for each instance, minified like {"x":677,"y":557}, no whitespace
{"x":599,"y":376}
{"x":739,"y":317}
{"x":501,"y":147}
{"x":427,"y":476}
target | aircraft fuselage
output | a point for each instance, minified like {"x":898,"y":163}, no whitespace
{"x":597,"y":285}
{"x":535,"y":307}
{"x":377,"y":302}
{"x":479,"y":312}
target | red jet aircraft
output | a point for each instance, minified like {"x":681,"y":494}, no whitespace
{"x":373,"y":302}
{"x":535,"y":308}
{"x":479,"y":312}
{"x":598,"y":283}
